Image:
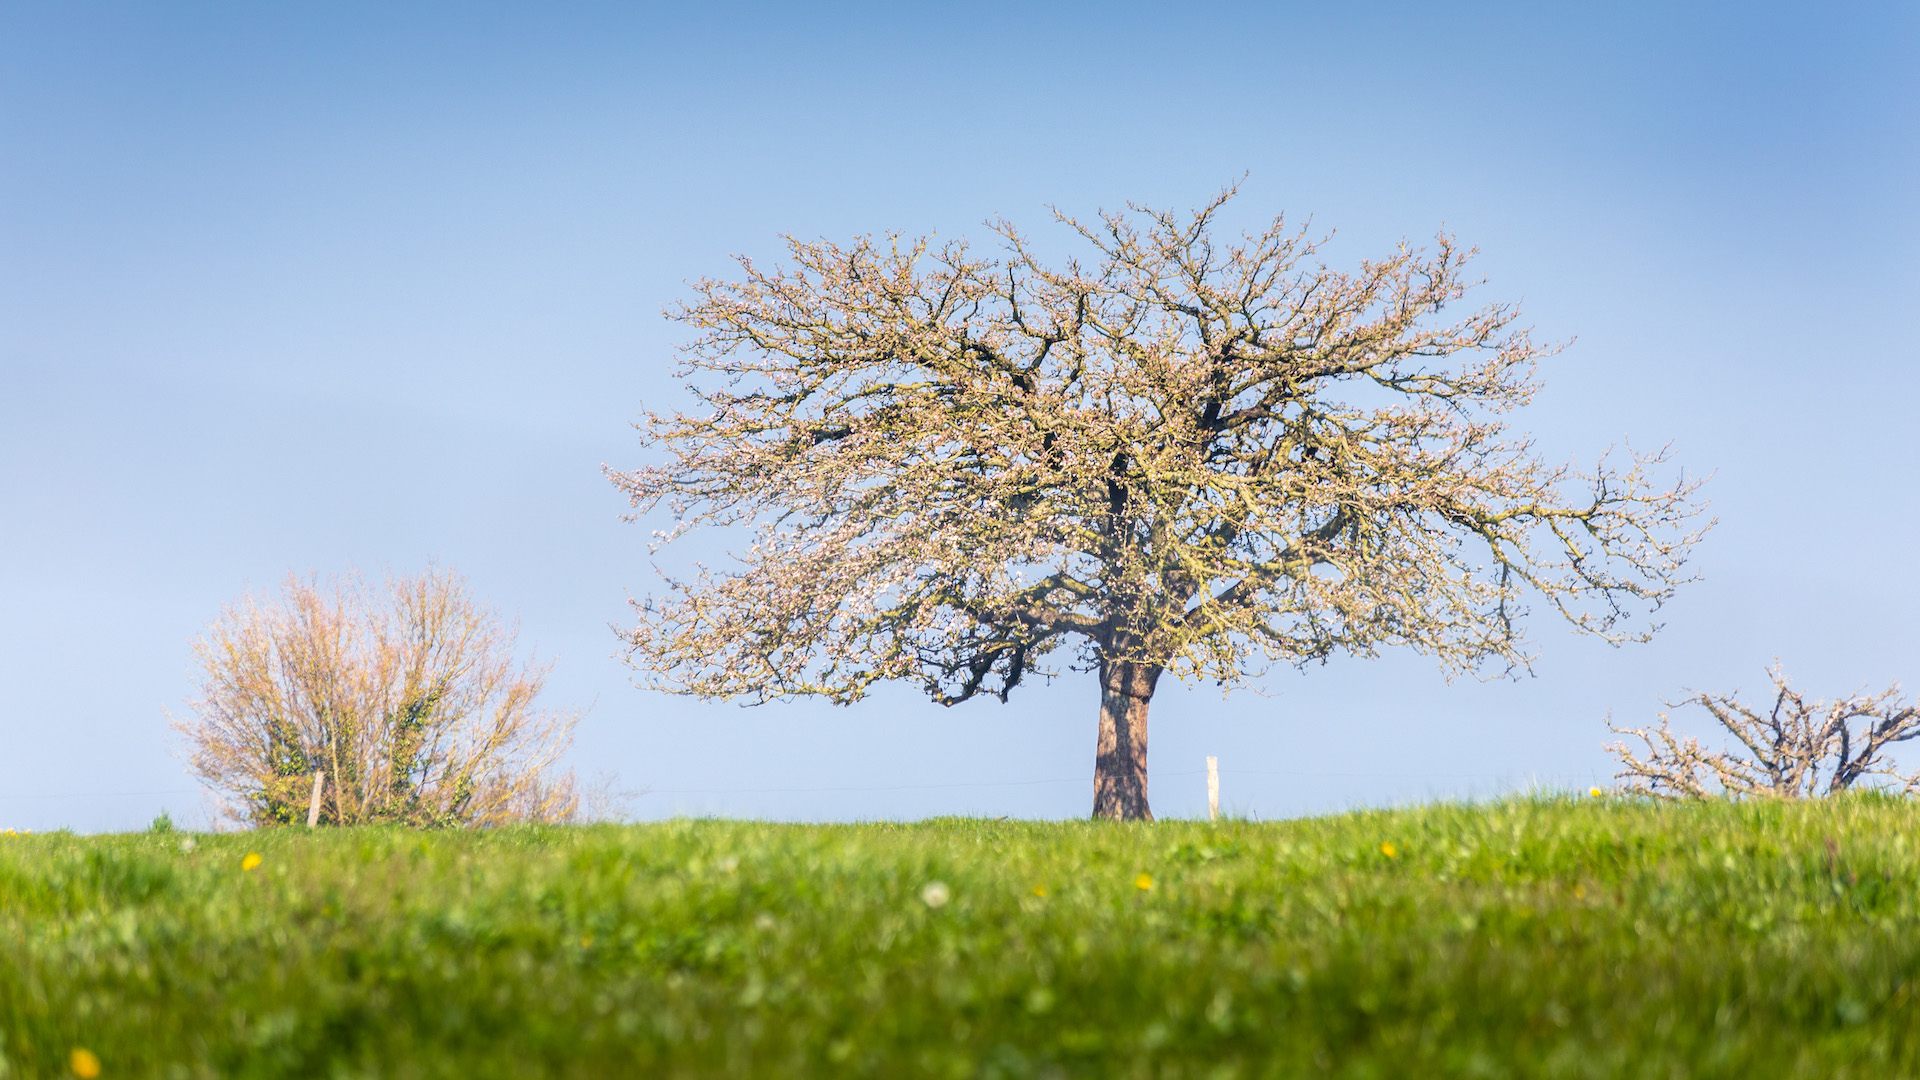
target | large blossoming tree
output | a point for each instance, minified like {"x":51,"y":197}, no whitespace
{"x":1179,"y":452}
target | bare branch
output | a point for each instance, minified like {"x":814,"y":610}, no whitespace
{"x":1795,"y":749}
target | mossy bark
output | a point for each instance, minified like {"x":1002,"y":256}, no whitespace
{"x":1120,"y":761}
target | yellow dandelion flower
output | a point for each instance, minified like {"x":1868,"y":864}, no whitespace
{"x":1595,"y":792}
{"x":85,"y":1065}
{"x":1040,"y":890}
{"x":251,"y":861}
{"x":1143,"y":882}
{"x":1389,"y":850}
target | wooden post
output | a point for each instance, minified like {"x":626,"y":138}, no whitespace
{"x":313,"y":804}
{"x":1213,"y":789}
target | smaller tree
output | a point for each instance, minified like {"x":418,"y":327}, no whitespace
{"x":1797,"y":749}
{"x":408,"y":699}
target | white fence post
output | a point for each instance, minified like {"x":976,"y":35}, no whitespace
{"x":313,"y":804}
{"x":1213,"y":789}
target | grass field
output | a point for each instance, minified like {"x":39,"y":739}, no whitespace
{"x":1532,"y":937}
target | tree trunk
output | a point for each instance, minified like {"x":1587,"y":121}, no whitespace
{"x":1120,"y":763}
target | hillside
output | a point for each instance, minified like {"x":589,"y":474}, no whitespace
{"x":1530,"y":937}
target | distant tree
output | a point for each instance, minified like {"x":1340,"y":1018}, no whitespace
{"x":1791,"y":749}
{"x":407,"y":698}
{"x":1186,"y":453}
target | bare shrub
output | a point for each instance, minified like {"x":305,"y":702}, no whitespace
{"x":1796,"y":749}
{"x":407,"y":697}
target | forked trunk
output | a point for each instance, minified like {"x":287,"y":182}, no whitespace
{"x":1120,"y":764}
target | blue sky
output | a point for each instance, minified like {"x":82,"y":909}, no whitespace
{"x":311,"y":287}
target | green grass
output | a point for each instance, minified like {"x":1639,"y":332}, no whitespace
{"x":1531,"y":937}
